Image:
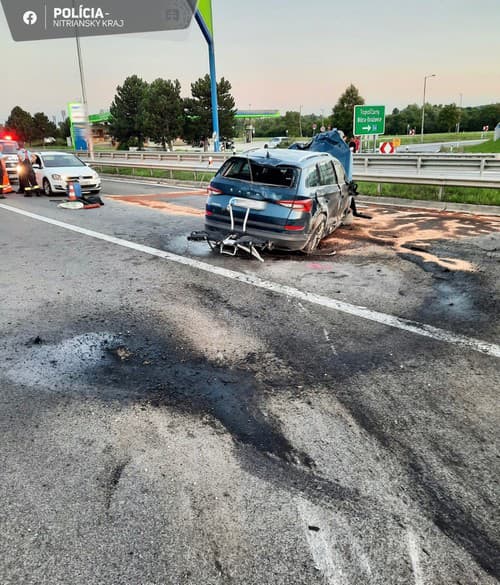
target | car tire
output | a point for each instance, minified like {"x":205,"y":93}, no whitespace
{"x":47,"y":189}
{"x":316,"y":235}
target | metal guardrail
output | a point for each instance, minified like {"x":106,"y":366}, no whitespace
{"x":127,"y":155}
{"x":435,"y":163}
{"x":417,"y":161}
{"x":442,"y":170}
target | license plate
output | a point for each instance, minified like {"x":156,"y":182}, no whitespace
{"x":248,"y":203}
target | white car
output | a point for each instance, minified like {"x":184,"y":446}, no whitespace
{"x":55,"y":169}
{"x":275,"y":142}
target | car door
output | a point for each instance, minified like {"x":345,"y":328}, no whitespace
{"x":38,"y":168}
{"x":329,"y":191}
{"x":343,"y":183}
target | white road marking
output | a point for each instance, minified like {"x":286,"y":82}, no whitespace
{"x":327,"y":337}
{"x":289,"y":291}
{"x":321,"y":550}
{"x":415,"y":561}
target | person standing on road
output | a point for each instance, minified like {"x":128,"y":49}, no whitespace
{"x":2,"y":196}
{"x":27,"y":177}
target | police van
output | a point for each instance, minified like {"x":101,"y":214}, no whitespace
{"x":9,"y":152}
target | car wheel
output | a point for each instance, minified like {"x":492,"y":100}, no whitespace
{"x":316,"y":235}
{"x":47,"y":189}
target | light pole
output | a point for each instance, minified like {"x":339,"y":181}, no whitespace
{"x":300,"y":120}
{"x":460,"y":114}
{"x":423,"y":105}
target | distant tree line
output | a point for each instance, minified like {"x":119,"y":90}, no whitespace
{"x":438,"y":118}
{"x":34,"y":128}
{"x":157,"y":111}
{"x":442,"y":118}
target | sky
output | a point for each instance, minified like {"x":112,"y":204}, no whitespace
{"x":279,"y":54}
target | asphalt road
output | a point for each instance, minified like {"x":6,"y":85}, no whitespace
{"x":167,"y":422}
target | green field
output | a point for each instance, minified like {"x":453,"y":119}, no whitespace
{"x":489,"y":146}
{"x":196,"y":176}
{"x":449,"y":137}
{"x":470,"y":195}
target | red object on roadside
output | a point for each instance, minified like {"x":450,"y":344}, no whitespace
{"x":5,"y":186}
{"x":387,"y":148}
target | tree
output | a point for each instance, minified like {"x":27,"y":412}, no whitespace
{"x":163,"y":111}
{"x":198,"y":110}
{"x":292,"y":122}
{"x":42,"y":127}
{"x":449,"y":117}
{"x":402,"y":121}
{"x":21,"y":122}
{"x":64,"y":129}
{"x":127,"y":112}
{"x":343,"y":112}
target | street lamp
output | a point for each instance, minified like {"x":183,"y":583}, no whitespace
{"x":423,"y":106}
{"x":460,"y":114}
{"x":300,"y":120}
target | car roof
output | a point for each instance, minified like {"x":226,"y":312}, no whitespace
{"x":300,"y":158}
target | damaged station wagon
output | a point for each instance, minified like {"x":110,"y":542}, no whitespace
{"x":284,"y":199}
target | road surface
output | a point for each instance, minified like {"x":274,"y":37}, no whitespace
{"x":169,"y":416}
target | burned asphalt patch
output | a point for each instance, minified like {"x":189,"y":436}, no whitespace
{"x":139,"y":364}
{"x":157,"y":371}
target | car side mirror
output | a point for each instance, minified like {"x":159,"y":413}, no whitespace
{"x":36,"y":166}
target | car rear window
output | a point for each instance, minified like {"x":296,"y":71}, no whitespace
{"x":248,"y":170}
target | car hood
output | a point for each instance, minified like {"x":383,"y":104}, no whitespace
{"x":71,"y":171}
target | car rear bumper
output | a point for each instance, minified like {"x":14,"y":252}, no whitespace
{"x":283,"y":241}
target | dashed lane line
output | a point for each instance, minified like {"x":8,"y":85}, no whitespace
{"x":289,"y":291}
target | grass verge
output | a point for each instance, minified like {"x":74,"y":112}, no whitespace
{"x":416,"y":192}
{"x":489,"y":146}
{"x":157,"y":173}
{"x":470,"y":195}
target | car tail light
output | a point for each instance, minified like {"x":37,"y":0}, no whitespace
{"x":207,"y":212}
{"x":304,"y":205}
{"x":213,"y":190}
{"x":294,"y":228}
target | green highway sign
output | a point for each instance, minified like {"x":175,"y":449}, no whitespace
{"x":369,"y":120}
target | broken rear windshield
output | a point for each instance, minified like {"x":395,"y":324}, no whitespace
{"x":248,"y":170}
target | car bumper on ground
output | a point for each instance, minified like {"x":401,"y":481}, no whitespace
{"x":292,"y":241}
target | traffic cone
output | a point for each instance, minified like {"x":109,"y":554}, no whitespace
{"x":5,"y":187}
{"x":71,"y":191}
